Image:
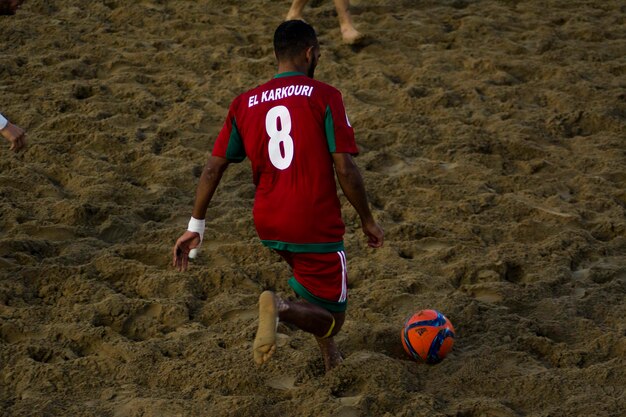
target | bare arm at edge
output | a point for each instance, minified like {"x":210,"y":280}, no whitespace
{"x":351,"y":183}
{"x":209,"y":180}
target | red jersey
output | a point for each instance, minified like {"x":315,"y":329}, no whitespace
{"x":288,"y":128}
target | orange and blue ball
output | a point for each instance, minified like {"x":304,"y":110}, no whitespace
{"x":428,"y":336}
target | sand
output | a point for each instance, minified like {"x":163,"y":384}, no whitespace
{"x":493,"y":149}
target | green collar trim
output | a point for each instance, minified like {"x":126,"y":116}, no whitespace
{"x":288,"y":74}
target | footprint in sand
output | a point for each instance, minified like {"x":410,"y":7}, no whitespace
{"x":347,"y":412}
{"x":487,"y":295}
{"x":489,"y":408}
{"x":411,"y":250}
{"x":283,"y":382}
{"x":601,"y":272}
{"x":487,"y":292}
{"x":142,"y":325}
{"x":239,"y":315}
{"x":146,"y":254}
{"x":117,"y":229}
{"x":53,"y":233}
{"x":349,"y":406}
{"x":430,"y":244}
{"x":387,"y":164}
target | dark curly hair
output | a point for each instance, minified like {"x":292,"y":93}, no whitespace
{"x":292,"y":37}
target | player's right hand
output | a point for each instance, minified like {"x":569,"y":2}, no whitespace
{"x":15,"y":135}
{"x":184,"y":244}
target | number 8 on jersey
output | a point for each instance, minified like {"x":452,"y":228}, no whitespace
{"x":280,"y":159}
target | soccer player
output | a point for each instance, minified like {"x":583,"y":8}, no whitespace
{"x":296,"y":133}
{"x":12,"y":133}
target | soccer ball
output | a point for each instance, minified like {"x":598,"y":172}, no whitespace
{"x":427,"y":336}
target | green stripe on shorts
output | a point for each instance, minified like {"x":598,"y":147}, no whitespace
{"x":333,"y":306}
{"x":304,"y":247}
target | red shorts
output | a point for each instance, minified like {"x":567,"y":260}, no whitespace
{"x":320,"y":278}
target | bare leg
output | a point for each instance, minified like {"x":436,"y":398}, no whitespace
{"x":350,"y":35}
{"x":306,"y":316}
{"x":265,"y":341}
{"x":330,"y":353}
{"x":295,"y":11}
{"x":316,"y":320}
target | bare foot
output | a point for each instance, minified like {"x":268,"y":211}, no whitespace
{"x":265,"y":341}
{"x":330,"y":352}
{"x":351,"y":36}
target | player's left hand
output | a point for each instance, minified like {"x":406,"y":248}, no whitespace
{"x":375,"y":234}
{"x":184,"y":244}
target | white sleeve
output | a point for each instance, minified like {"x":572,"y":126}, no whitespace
{"x":3,"y":122}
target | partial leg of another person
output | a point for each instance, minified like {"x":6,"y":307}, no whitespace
{"x":295,"y":11}
{"x":348,"y":32}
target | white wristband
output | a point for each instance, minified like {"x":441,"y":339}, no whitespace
{"x":196,"y":225}
{"x":3,"y":122}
